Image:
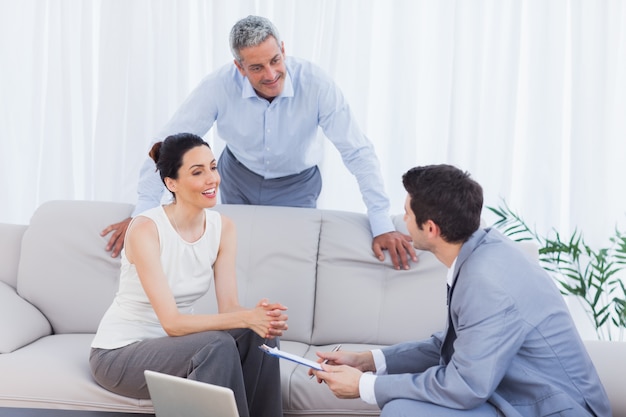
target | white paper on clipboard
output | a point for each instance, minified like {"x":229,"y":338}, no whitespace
{"x":291,"y":357}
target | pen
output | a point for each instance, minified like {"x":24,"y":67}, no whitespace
{"x":335,"y":349}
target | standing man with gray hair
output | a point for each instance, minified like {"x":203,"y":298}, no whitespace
{"x":267,"y":108}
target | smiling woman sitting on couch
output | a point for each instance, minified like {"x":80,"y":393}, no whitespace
{"x":171,"y":254}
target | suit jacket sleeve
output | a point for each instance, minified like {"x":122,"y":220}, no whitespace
{"x":413,"y":357}
{"x":489,"y":333}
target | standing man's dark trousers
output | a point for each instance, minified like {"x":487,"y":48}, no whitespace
{"x":242,"y":186}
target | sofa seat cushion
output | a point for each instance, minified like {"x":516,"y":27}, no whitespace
{"x":58,"y":377}
{"x":304,"y":396}
{"x":23,"y":325}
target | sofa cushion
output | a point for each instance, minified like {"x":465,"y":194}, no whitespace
{"x":362,"y":300}
{"x":58,"y":376}
{"x":20,"y":322}
{"x":64,"y":270}
{"x":10,"y":242}
{"x":277,"y":259}
{"x":305,"y":396}
{"x":609,"y":359}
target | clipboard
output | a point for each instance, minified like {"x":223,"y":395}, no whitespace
{"x":291,"y":357}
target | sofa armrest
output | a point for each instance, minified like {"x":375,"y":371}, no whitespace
{"x":20,"y":322}
{"x":609,"y":358}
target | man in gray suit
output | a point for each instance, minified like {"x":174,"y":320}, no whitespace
{"x":510,"y":347}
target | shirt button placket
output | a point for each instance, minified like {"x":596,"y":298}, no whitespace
{"x":268,"y":139}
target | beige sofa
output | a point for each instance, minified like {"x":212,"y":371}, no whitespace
{"x":56,"y":281}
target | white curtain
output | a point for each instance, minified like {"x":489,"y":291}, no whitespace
{"x":528,"y":96}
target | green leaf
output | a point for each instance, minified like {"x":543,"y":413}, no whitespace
{"x":580,"y":270}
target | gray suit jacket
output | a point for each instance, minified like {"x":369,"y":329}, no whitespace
{"x":510,"y":341}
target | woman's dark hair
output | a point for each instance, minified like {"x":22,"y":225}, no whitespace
{"x":447,"y":196}
{"x":168,"y":154}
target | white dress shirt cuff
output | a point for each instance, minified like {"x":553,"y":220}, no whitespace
{"x":366,"y":388}
{"x":379,"y":362}
{"x":380,"y":223}
{"x":367,"y":381}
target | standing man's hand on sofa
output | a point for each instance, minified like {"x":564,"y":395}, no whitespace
{"x":399,"y":246}
{"x":116,"y":242}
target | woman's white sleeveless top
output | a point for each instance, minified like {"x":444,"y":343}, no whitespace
{"x":189,"y":271}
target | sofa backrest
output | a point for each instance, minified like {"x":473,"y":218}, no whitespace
{"x":277,"y":250}
{"x":64,"y":270}
{"x":321,"y":265}
{"x":20,"y":322}
{"x":317,"y":262}
{"x":10,"y":247}
{"x":362,"y":300}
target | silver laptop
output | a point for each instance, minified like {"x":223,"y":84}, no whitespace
{"x":173,"y":396}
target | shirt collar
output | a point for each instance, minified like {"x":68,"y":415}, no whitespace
{"x":450,"y":275}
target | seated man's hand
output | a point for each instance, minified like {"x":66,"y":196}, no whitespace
{"x":116,"y":242}
{"x":400,"y":247}
{"x":343,"y":380}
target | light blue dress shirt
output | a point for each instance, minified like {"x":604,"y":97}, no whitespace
{"x":279,"y":138}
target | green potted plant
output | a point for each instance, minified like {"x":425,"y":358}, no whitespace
{"x":595,"y":277}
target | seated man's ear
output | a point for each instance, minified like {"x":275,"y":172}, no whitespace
{"x":431,"y":228}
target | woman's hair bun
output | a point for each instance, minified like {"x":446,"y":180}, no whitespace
{"x":155,"y":151}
